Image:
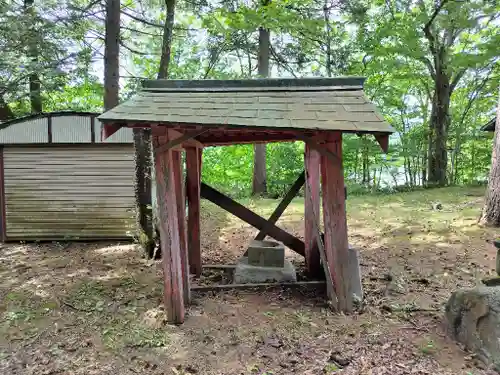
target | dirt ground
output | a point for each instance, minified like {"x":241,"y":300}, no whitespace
{"x":74,"y":308}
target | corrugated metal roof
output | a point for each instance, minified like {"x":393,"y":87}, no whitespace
{"x":65,"y":127}
{"x":45,"y":115}
{"x":309,"y":103}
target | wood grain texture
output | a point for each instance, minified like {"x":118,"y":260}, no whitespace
{"x":193,"y":173}
{"x":181,"y":217}
{"x":335,"y":221}
{"x":3,"y":236}
{"x":169,"y":234}
{"x":311,"y":210}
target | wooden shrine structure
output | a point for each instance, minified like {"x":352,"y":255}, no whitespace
{"x":188,"y":115}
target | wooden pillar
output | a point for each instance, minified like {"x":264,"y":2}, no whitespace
{"x":181,"y":217}
{"x":193,"y":177}
{"x":335,"y":221}
{"x":311,"y":211}
{"x":169,"y":234}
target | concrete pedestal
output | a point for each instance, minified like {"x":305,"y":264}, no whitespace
{"x":245,"y":273}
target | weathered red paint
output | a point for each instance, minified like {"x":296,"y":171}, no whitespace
{"x":108,"y":130}
{"x":311,"y":210}
{"x":181,"y":216}
{"x":383,"y":141}
{"x":3,"y":226}
{"x":335,"y":221}
{"x":169,"y":234}
{"x":193,"y":173}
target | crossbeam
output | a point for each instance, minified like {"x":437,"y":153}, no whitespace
{"x":251,"y":218}
{"x":292,"y":193}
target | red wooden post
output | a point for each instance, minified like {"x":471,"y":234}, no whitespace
{"x":193,"y":173}
{"x":169,"y":234}
{"x":335,"y":221}
{"x":181,"y":217}
{"x":311,"y":211}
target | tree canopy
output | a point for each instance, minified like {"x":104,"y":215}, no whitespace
{"x":432,"y":68}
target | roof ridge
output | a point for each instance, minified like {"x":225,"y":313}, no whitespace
{"x":257,"y":84}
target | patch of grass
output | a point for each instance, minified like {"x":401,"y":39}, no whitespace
{"x":331,"y":368}
{"x":89,"y":296}
{"x":20,"y":309}
{"x":429,"y":348}
{"x":119,"y":334}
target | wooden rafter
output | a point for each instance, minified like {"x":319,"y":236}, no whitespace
{"x":179,"y":139}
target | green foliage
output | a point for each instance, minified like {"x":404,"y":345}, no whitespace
{"x":381,"y":40}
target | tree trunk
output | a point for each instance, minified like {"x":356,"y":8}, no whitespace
{"x":168,"y":32}
{"x":142,"y":188}
{"x":35,"y":85}
{"x":111,"y":55}
{"x":143,"y":151}
{"x":5,"y":111}
{"x":438,"y":127}
{"x":491,"y":209}
{"x":259,"y":185}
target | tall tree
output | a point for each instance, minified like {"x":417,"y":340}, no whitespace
{"x":142,"y":146}
{"x":435,"y":38}
{"x":112,"y":54}
{"x":35,"y":85}
{"x":491,"y":209}
{"x":259,"y":185}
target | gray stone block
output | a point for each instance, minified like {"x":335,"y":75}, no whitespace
{"x":245,"y":273}
{"x":355,"y":274}
{"x":266,"y":254}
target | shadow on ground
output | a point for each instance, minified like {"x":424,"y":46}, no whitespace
{"x":97,"y":308}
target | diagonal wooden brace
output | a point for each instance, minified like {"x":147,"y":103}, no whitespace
{"x":292,"y":193}
{"x":252,"y":218}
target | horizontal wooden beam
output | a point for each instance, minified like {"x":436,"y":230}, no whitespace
{"x":216,"y":287}
{"x":251,"y":218}
{"x":219,"y":266}
{"x":245,"y":138}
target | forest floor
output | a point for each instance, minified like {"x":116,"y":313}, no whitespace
{"x":74,"y":308}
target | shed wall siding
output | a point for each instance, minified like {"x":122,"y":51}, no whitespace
{"x":71,"y":129}
{"x":31,"y":131}
{"x":83,"y":192}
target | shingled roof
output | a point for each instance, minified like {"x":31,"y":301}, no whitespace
{"x":305,"y":103}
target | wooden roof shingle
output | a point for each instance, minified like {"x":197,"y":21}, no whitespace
{"x":307,"y":103}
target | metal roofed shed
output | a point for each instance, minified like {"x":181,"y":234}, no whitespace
{"x":185,"y":116}
{"x":55,"y":174}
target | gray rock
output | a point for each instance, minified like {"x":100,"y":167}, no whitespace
{"x":245,"y":273}
{"x":473,"y":319}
